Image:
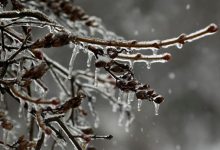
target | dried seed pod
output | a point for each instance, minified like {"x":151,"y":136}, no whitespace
{"x":112,"y":52}
{"x":140,"y":94}
{"x":159,"y":99}
{"x":2,"y":114}
{"x":150,"y":92}
{"x":38,"y":54}
{"x":6,"y":124}
{"x":36,"y":72}
{"x":91,"y":148}
{"x":87,"y":130}
{"x":96,"y":50}
{"x":100,"y":63}
{"x":117,"y":69}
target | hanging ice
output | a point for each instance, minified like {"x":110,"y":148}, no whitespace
{"x":72,"y":59}
{"x":20,"y":110}
{"x":96,"y":76}
{"x":121,"y":118}
{"x":139,"y":104}
{"x":148,"y":63}
{"x":120,"y":94}
{"x":154,"y":50}
{"x":179,"y":45}
{"x":97,"y":120}
{"x":130,"y":97}
{"x":156,"y":108}
{"x":128,"y":123}
{"x":89,"y":59}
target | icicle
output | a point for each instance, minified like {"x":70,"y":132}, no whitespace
{"x":148,"y":63}
{"x":96,"y":76}
{"x":5,"y":135}
{"x":19,"y":71}
{"x":120,"y":96}
{"x":92,"y":31}
{"x":139,"y":104}
{"x":156,"y":107}
{"x":1,"y":8}
{"x":97,"y":120}
{"x":89,"y":59}
{"x":28,"y":120}
{"x":128,"y":123}
{"x":130,"y":97}
{"x":1,"y":97}
{"x":125,"y":97}
{"x":20,"y":110}
{"x":72,"y":59}
{"x":131,"y":62}
{"x":121,"y":118}
{"x":46,"y":140}
{"x":114,"y":107}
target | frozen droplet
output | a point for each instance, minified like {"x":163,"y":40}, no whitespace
{"x":139,"y":104}
{"x":142,"y":130}
{"x":20,"y":110}
{"x":89,"y":59}
{"x":148,"y":63}
{"x":156,"y":108}
{"x":72,"y":59}
{"x":179,"y":45}
{"x":154,"y":50}
{"x":51,"y":29}
{"x":97,"y":70}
